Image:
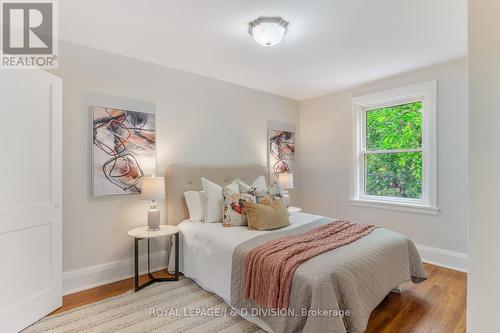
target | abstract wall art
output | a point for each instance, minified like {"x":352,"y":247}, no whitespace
{"x":281,"y":152}
{"x":124,"y":150}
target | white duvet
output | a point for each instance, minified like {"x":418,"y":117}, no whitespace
{"x":206,"y":251}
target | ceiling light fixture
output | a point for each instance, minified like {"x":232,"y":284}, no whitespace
{"x":268,"y":31}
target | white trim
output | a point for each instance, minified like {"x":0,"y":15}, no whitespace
{"x":444,"y":258}
{"x":425,"y":92}
{"x":98,"y":275}
{"x":398,"y":206}
{"x":392,"y":151}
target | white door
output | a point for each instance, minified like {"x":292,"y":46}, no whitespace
{"x":30,"y":197}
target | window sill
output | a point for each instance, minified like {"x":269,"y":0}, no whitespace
{"x":399,"y":206}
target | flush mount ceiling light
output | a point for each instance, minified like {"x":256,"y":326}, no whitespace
{"x":268,"y":31}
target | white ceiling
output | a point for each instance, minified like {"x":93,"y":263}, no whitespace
{"x":330,"y":44}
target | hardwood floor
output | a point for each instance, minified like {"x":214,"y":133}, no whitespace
{"x":436,"y":305}
{"x":99,"y":293}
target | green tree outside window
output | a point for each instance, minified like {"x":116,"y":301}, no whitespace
{"x":393,"y":156}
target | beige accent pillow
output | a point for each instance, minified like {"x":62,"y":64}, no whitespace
{"x":266,"y":217}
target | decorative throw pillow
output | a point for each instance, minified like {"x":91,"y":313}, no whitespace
{"x":264,"y":217}
{"x":274,"y":192}
{"x":258,"y":185}
{"x":196,"y":204}
{"x":234,"y":213}
{"x":264,"y":199}
{"x":214,"y":201}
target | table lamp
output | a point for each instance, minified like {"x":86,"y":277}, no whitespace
{"x":153,"y":188}
{"x":286,"y":182}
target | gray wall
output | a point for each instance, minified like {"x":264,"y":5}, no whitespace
{"x":325,"y":159}
{"x":206,"y":121}
{"x":199,"y":120}
{"x":484,"y":166}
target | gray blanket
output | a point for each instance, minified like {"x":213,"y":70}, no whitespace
{"x":337,"y":290}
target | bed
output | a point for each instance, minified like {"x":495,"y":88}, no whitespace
{"x":348,"y":282}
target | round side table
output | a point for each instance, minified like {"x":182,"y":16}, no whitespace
{"x":143,"y":233}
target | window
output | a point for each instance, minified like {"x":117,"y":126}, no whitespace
{"x":394,"y":149}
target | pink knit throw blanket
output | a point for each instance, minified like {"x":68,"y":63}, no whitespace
{"x":269,"y":268}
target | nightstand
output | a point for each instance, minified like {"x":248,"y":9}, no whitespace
{"x":292,"y":209}
{"x":143,"y":233}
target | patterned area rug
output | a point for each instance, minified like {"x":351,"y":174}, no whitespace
{"x":162,"y":307}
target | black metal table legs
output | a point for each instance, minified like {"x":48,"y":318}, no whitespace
{"x":152,"y":278}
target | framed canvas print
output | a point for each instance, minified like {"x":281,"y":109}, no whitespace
{"x":281,"y":152}
{"x":123,"y":150}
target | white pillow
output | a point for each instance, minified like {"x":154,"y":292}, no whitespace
{"x":215,"y":201}
{"x":258,"y":184}
{"x":196,"y":202}
{"x":233,"y":186}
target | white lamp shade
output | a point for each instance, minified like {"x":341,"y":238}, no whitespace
{"x":286,"y":180}
{"x":153,"y":188}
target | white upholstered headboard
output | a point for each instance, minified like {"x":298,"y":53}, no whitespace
{"x":184,"y":177}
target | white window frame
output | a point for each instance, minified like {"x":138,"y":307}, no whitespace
{"x":425,"y":92}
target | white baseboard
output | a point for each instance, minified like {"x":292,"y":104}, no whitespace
{"x":98,"y":275}
{"x":444,"y":258}
{"x":94,"y":276}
